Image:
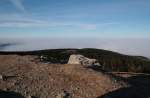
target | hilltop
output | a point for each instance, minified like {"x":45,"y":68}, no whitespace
{"x":110,"y":61}
{"x":25,"y":75}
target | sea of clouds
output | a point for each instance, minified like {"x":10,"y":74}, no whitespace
{"x":137,"y":46}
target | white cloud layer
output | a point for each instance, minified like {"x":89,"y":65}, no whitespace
{"x":126,"y":46}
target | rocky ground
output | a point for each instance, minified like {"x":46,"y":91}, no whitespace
{"x":27,"y":77}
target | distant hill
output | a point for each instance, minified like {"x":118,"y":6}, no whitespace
{"x":110,"y":61}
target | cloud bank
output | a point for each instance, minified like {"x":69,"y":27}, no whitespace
{"x":125,"y":46}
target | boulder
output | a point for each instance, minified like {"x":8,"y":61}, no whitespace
{"x":29,"y":96}
{"x":42,"y":58}
{"x":64,"y":94}
{"x":2,"y":77}
{"x":82,"y":60}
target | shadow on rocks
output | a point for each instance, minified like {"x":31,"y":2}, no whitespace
{"x":140,"y":88}
{"x":5,"y":94}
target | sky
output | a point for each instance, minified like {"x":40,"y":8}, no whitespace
{"x":115,"y":21}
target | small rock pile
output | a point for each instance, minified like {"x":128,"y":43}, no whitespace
{"x":1,"y":77}
{"x":82,"y":60}
{"x":64,"y":94}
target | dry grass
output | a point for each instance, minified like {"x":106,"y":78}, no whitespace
{"x":30,"y":77}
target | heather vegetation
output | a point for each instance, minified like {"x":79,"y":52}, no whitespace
{"x":110,"y":61}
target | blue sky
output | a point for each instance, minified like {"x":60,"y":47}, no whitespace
{"x":117,"y":25}
{"x":75,"y":18}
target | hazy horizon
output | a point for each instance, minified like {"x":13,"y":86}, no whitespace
{"x":125,"y":46}
{"x":117,"y":25}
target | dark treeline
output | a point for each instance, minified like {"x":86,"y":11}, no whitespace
{"x":110,"y":61}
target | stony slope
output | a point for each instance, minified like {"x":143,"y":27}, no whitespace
{"x":110,"y":61}
{"x":25,"y":75}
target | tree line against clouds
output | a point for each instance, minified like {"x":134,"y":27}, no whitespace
{"x":110,"y":61}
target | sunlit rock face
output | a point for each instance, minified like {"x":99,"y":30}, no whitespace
{"x":82,"y":60}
